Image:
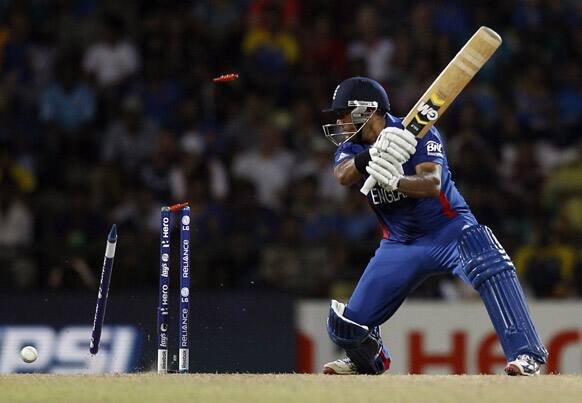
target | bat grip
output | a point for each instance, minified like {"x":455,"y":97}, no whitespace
{"x":368,"y":185}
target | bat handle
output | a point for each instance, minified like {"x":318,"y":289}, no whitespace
{"x":368,"y":185}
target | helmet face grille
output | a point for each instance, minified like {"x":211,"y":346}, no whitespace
{"x":339,"y":133}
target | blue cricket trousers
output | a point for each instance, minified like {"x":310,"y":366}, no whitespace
{"x":397,"y":268}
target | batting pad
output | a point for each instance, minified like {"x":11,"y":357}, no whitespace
{"x":363,"y":347}
{"x":492,"y":274}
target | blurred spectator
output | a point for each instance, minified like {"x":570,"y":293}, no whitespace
{"x":563,"y":195}
{"x":194,"y":164}
{"x":268,"y":166}
{"x":414,"y":79}
{"x":16,"y":235}
{"x":293,"y":265}
{"x":372,"y":46}
{"x":258,"y":223}
{"x":242,"y":132}
{"x":317,"y":224}
{"x":250,"y":227}
{"x":271,"y":49}
{"x":357,"y":225}
{"x":212,"y":227}
{"x":130,"y":139}
{"x":533,"y":101}
{"x":569,"y":103}
{"x":220,"y":15}
{"x":160,"y":95}
{"x":475,"y":166}
{"x":137,"y":211}
{"x":304,"y":126}
{"x":71,"y":244}
{"x":15,"y":56}
{"x":547,"y":265}
{"x":524,"y":175}
{"x":288,"y":10}
{"x":14,"y":172}
{"x":324,"y":51}
{"x":113,"y":58}
{"x":68,"y":103}
{"x":420,"y":28}
{"x":451,"y":19}
{"x":156,"y":171}
{"x":44,"y":57}
{"x":318,"y":165}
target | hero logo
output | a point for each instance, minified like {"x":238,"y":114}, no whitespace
{"x":435,"y":149}
{"x":66,"y":350}
{"x":428,"y":111}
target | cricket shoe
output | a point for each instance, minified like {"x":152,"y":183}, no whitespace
{"x":523,"y":365}
{"x":343,"y":366}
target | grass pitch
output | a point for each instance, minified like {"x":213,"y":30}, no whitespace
{"x":215,"y":388}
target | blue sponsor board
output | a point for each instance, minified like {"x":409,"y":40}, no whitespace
{"x":66,"y":349}
{"x":228,"y":333}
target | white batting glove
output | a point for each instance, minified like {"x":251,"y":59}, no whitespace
{"x":387,"y":173}
{"x":399,"y":143}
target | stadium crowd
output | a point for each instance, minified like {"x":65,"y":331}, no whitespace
{"x":108,"y":111}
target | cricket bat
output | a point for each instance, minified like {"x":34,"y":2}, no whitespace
{"x":447,"y":86}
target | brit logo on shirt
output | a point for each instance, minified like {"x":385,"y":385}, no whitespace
{"x":434,"y":149}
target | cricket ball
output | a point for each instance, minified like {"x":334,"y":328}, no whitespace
{"x":29,"y":354}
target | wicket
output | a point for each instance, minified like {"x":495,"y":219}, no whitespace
{"x":164,"y":297}
{"x":103,"y":290}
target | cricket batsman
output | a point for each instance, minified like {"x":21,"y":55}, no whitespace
{"x":428,"y":229}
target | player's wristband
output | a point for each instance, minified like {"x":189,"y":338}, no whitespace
{"x":361,"y":161}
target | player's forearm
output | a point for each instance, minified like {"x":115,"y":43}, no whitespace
{"x":420,"y":185}
{"x":347,"y":173}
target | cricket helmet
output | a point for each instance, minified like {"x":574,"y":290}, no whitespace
{"x":359,"y":96}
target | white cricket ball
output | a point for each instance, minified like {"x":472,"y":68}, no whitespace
{"x":29,"y":354}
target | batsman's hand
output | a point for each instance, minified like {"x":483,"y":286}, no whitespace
{"x":399,"y":144}
{"x":384,"y":170}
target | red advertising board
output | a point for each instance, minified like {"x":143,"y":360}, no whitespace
{"x":448,"y":338}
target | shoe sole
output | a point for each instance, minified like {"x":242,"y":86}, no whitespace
{"x":329,"y":371}
{"x":514,"y":370}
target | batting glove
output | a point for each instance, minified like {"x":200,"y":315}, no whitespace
{"x":398,"y":143}
{"x":387,"y":173}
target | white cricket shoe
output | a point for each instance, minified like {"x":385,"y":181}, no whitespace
{"x":343,"y":366}
{"x":523,"y":365}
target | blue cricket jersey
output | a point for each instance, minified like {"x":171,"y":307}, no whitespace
{"x":403,"y":218}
